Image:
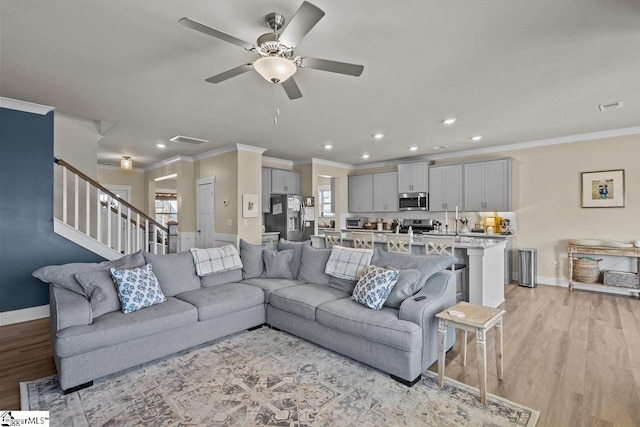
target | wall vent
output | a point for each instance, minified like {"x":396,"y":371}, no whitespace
{"x":188,"y":140}
{"x":607,"y":107}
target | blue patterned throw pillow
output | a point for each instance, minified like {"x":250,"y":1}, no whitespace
{"x":137,"y":288}
{"x":374,"y":286}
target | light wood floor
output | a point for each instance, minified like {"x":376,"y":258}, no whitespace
{"x":575,"y":357}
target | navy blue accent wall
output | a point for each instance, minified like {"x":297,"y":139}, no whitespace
{"x":27,"y":240}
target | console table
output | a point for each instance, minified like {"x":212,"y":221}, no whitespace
{"x":573,"y":250}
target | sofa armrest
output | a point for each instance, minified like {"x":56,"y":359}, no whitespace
{"x":68,"y":309}
{"x":440,"y":292}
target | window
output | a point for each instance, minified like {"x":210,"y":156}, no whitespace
{"x":166,"y":207}
{"x":326,"y":205}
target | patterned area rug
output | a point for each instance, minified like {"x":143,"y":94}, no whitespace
{"x":267,"y":377}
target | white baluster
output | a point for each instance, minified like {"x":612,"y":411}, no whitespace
{"x":155,"y":239}
{"x":64,"y":195}
{"x":98,"y":211}
{"x":119,"y":226}
{"x":109,"y":199}
{"x":128,"y":230}
{"x":87,"y":192}
{"x":76,"y":201}
{"x":137,"y":232}
{"x":146,"y":236}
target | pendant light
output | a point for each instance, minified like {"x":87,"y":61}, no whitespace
{"x":126,"y":163}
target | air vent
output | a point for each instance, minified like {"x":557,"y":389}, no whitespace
{"x":607,"y":107}
{"x":188,"y":140}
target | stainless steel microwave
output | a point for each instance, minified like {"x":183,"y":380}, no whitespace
{"x":413,"y":201}
{"x":355,"y":222}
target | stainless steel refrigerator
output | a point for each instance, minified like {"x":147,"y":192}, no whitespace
{"x":286,"y":216}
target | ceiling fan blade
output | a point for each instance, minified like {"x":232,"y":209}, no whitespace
{"x":230,"y":73}
{"x":333,"y":66}
{"x":291,"y":88}
{"x":195,"y":25}
{"x":305,"y":18}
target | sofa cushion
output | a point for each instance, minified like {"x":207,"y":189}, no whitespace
{"x":116,"y":327}
{"x":137,"y":288}
{"x":270,"y":285}
{"x":222,"y":299}
{"x":347,"y":263}
{"x":313,"y":261}
{"x":277,"y":264}
{"x":427,"y":264}
{"x":346,"y":285}
{"x":215,"y":260}
{"x":176,"y":273}
{"x":103,"y":295}
{"x":374,"y":286}
{"x":405,"y":287}
{"x":284,"y":245}
{"x":303,"y":300}
{"x":215,"y":279}
{"x":251,"y":255}
{"x":382,"y":326}
{"x":63,"y":276}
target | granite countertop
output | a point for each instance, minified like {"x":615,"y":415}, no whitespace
{"x":466,"y":241}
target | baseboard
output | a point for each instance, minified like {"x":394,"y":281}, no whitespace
{"x":24,"y":315}
{"x":564,"y":283}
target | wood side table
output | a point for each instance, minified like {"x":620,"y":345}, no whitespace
{"x":478,"y":319}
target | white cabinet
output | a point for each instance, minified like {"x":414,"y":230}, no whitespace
{"x":361,"y":193}
{"x":413,"y":177}
{"x":385,"y":198}
{"x":487,"y":186}
{"x":266,"y":190}
{"x":285,"y":182}
{"x":445,"y":188}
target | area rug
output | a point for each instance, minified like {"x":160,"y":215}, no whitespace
{"x":267,"y":378}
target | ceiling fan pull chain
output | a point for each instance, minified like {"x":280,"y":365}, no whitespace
{"x":275,"y":104}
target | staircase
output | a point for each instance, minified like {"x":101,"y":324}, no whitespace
{"x":95,"y":218}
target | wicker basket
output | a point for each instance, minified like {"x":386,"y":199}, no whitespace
{"x":586,"y":270}
{"x":623,"y":279}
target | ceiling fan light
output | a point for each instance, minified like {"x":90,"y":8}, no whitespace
{"x":275,"y":69}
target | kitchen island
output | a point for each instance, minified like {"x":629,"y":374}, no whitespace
{"x":484,"y":258}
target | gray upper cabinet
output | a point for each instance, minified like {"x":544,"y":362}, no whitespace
{"x":445,"y":188}
{"x":413,"y":177}
{"x":266,"y":190}
{"x":487,"y":185}
{"x":385,"y":198}
{"x":285,"y":182}
{"x":361,"y":193}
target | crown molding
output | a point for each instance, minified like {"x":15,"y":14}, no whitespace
{"x":250,"y":148}
{"x":27,"y":107}
{"x":591,"y":136}
{"x":113,"y":167}
{"x":283,"y":162}
{"x":316,"y":161}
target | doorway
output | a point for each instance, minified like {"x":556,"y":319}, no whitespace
{"x":205,"y":207}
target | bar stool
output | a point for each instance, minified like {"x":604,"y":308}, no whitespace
{"x":332,"y":238}
{"x":399,"y":243}
{"x":362,"y":240}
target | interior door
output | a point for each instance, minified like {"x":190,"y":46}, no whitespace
{"x":205,"y":206}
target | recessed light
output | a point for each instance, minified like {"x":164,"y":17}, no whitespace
{"x":449,"y":121}
{"x":413,"y":148}
{"x":365,"y":156}
{"x":439,"y":147}
{"x":476,"y":138}
{"x":327,"y":146}
{"x":378,"y":135}
{"x":161,"y":145}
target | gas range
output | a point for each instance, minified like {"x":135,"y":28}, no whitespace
{"x":418,"y":226}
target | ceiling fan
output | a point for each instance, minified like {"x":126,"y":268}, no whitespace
{"x":277,"y":62}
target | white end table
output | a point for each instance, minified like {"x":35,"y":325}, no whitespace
{"x":478,"y":319}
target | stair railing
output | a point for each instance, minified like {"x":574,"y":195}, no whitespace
{"x":101,"y":215}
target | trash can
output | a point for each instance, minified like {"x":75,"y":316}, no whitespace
{"x":527,"y":267}
{"x":462,"y":291}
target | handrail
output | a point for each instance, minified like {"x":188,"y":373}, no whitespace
{"x":134,"y":229}
{"x":110,"y":193}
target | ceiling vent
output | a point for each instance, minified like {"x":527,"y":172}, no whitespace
{"x":188,"y":140}
{"x":607,"y":107}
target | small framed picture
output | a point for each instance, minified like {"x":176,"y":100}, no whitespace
{"x":603,"y":189}
{"x":249,"y":205}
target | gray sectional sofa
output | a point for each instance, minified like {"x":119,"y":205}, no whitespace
{"x":92,"y":337}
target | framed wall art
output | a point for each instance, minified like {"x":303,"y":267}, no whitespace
{"x":249,"y":205}
{"x":603,"y":189}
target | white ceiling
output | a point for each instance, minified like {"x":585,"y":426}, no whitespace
{"x":510,"y":70}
